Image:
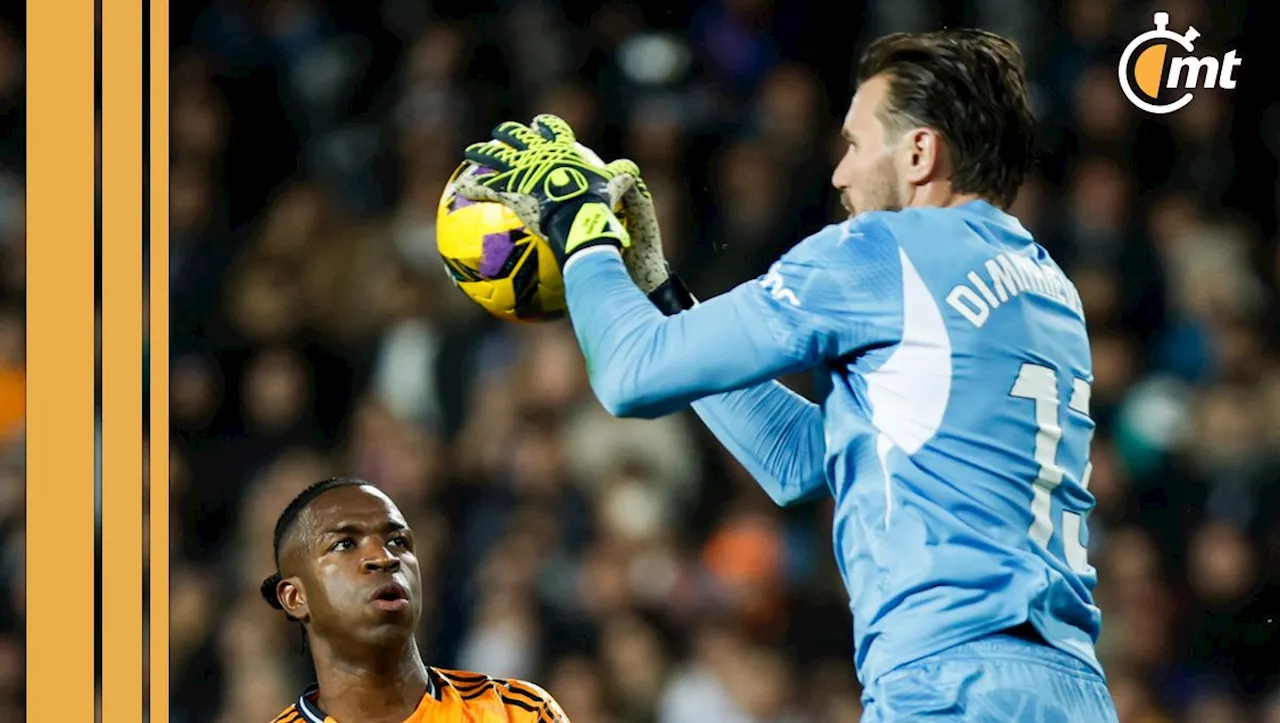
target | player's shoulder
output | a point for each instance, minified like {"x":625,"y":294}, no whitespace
{"x":944,"y":237}
{"x":289,"y":715}
{"x":865,"y":239}
{"x":904,"y":225}
{"x":524,"y":701}
{"x":869,"y":228}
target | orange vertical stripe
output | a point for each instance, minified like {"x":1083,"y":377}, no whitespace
{"x":121,"y":361}
{"x":60,"y":360}
{"x":159,"y":351}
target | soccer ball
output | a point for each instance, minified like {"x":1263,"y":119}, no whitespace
{"x":495,"y":260}
{"x":498,"y":263}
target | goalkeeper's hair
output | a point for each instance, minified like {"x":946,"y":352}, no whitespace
{"x":971,"y":87}
{"x":285,"y":524}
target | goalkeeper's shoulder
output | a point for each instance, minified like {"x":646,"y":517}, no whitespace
{"x":866,"y":239}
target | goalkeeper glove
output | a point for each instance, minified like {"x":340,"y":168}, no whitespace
{"x":672,"y":296}
{"x":522,"y":160}
{"x":645,"y":259}
{"x":544,"y":176}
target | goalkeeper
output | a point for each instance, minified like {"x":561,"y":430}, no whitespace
{"x":953,"y":365}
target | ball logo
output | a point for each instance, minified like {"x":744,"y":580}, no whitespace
{"x":1159,"y":62}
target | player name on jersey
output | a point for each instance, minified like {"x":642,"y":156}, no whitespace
{"x":1005,"y":277}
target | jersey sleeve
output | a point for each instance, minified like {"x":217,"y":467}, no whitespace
{"x":775,"y":434}
{"x":833,"y":295}
{"x":485,"y":699}
{"x":551,"y":712}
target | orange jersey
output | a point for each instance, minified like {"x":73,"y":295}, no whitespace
{"x":454,"y":696}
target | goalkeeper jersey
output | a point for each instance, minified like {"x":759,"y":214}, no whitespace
{"x":952,"y":426}
{"x":451,"y":696}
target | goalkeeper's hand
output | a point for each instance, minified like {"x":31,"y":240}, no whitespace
{"x":645,"y":259}
{"x":543,"y":175}
{"x":519,"y":161}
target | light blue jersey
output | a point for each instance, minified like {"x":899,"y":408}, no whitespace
{"x":953,"y":428}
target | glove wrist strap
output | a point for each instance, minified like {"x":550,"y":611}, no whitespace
{"x":672,"y":296}
{"x":581,"y":224}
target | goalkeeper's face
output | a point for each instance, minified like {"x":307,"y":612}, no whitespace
{"x":867,"y":177}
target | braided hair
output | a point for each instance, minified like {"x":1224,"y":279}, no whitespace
{"x":285,"y":524}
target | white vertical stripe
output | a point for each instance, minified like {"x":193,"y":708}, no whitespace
{"x":1075,"y":552}
{"x":908,"y":394}
{"x":883,"y":446}
{"x":1081,"y":393}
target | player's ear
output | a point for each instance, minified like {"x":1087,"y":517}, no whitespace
{"x":921,"y":155}
{"x":293,"y":598}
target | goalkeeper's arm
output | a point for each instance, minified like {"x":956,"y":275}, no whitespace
{"x":643,"y":364}
{"x":776,"y":434}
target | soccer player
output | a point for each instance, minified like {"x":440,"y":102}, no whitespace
{"x":953,"y":368}
{"x":347,"y":572}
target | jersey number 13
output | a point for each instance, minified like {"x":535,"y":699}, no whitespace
{"x":1040,"y":384}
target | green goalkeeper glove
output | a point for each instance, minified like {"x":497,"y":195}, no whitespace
{"x":520,"y":156}
{"x":551,"y":182}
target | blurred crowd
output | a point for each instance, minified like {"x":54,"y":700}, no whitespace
{"x":632,"y":567}
{"x":12,"y":363}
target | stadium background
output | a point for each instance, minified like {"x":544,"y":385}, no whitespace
{"x":12,"y":366}
{"x":630,"y":567}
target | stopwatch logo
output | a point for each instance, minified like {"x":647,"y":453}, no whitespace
{"x":1160,"y":60}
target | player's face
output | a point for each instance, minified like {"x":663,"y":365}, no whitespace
{"x":866,"y":176}
{"x":360,"y":574}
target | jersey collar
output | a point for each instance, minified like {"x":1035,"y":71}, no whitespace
{"x":308,"y":707}
{"x":308,"y":703}
{"x":982,"y":208}
{"x":987,"y":210}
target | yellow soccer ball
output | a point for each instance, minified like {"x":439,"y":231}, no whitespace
{"x":495,"y":260}
{"x":498,"y":263}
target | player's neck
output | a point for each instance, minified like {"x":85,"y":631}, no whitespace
{"x":940,"y":195}
{"x":382,"y":685}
